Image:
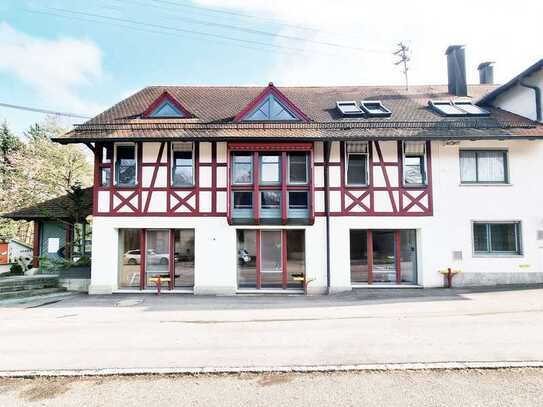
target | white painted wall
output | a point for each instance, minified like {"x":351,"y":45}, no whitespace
{"x":521,"y":100}
{"x":215,"y":252}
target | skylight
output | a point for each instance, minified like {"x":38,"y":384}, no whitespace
{"x":457,"y":108}
{"x":349,"y":108}
{"x":471,"y":109}
{"x":375,"y":108}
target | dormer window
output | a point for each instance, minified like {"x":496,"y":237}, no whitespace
{"x":164,"y":107}
{"x":271,"y":109}
{"x":374,"y":108}
{"x":349,"y":108}
{"x":457,"y":108}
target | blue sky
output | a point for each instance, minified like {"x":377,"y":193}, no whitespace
{"x":69,"y":64}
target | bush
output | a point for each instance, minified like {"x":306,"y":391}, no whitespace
{"x":16,"y":270}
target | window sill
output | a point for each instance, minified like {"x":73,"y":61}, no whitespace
{"x":497,"y":256}
{"x":484,"y":184}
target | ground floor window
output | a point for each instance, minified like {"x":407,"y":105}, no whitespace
{"x":383,"y":256}
{"x":496,"y":238}
{"x":271,"y":258}
{"x":145,"y":255}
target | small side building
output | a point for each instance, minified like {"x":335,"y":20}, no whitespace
{"x":62,"y":237}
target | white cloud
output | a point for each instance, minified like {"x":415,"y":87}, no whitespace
{"x":497,"y":31}
{"x":55,"y":69}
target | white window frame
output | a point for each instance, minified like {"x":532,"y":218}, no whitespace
{"x":173,"y":165}
{"x":352,"y":103}
{"x":366,"y":169}
{"x":425,"y":159}
{"x":114,"y":164}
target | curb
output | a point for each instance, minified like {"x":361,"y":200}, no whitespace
{"x":464,"y":365}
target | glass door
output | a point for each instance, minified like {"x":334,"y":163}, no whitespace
{"x":384,"y":257}
{"x":157,"y":257}
{"x":271,"y":261}
{"x":183,"y":258}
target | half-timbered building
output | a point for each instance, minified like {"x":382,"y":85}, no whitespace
{"x":220,"y":190}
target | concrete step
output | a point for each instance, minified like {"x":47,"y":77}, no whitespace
{"x":30,"y":293}
{"x":20,"y":283}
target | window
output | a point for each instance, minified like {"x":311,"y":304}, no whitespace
{"x":297,"y":200}
{"x":270,"y":169}
{"x":105,"y":165}
{"x":457,"y":108}
{"x":81,"y":240}
{"x":485,"y":167}
{"x":243,"y":200}
{"x":375,"y":108}
{"x":349,"y":108}
{"x":496,"y":238}
{"x":271,"y":109}
{"x":357,"y":163}
{"x":297,"y":168}
{"x":414,"y":166}
{"x":242,"y":169}
{"x":270,"y":199}
{"x":125,"y":165}
{"x":182,"y":164}
{"x":166,"y":109}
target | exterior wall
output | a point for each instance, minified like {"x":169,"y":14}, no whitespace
{"x":443,"y":224}
{"x":521,"y":100}
{"x":215,"y":252}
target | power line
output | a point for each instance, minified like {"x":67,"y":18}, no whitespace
{"x":165,"y":27}
{"x":233,"y":13}
{"x":33,"y":109}
{"x":130,"y":27}
{"x":255,"y":31}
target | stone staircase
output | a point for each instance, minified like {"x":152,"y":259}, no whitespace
{"x":28,"y":286}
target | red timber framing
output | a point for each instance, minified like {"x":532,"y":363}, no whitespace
{"x":402,"y":200}
{"x":182,"y":201}
{"x":283,"y":149}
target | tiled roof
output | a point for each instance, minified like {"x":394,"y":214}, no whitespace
{"x":215,"y":107}
{"x":56,"y":208}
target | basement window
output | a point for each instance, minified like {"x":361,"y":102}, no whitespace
{"x":374,"y":108}
{"x":349,"y":108}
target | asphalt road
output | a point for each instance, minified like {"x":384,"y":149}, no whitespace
{"x":368,"y":326}
{"x":488,"y":388}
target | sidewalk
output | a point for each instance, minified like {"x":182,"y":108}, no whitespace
{"x":185,"y":333}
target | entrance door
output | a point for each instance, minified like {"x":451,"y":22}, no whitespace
{"x":384,"y":257}
{"x":157,"y":256}
{"x":271,"y":259}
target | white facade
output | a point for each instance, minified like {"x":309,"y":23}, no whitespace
{"x":447,"y":230}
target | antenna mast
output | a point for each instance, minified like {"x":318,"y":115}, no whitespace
{"x":403,"y":53}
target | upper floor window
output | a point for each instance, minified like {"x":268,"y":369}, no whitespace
{"x":242,"y":168}
{"x":297,"y":168}
{"x":270,"y":169}
{"x":357,"y":163}
{"x":105,"y":165}
{"x":125,"y":165}
{"x":182,"y":164}
{"x":496,"y":238}
{"x":271,"y":109}
{"x":484,"y":167}
{"x":414,"y":163}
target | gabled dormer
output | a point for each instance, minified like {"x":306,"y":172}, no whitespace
{"x":166,"y":107}
{"x":271,"y":105}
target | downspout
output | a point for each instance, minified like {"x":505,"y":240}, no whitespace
{"x":537,"y":94}
{"x":327,"y":146}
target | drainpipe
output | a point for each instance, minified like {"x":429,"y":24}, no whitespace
{"x":327,"y":146}
{"x":537,"y":94}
